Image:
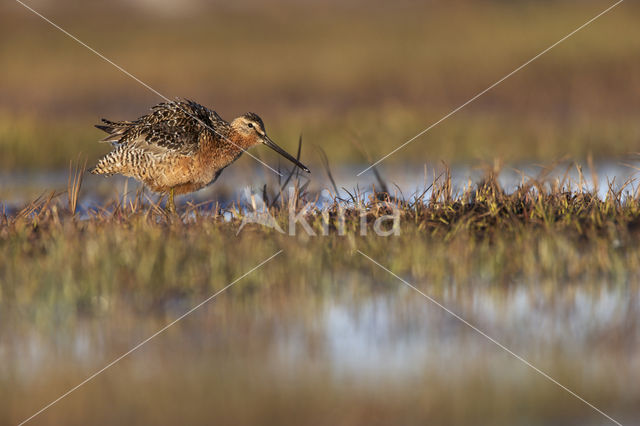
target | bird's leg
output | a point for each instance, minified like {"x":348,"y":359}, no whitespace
{"x":171,"y":206}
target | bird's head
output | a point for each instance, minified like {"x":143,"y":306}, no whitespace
{"x":251,"y":130}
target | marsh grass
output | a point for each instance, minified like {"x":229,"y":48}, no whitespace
{"x":76,"y":174}
{"x":121,"y":270}
{"x":544,"y":229}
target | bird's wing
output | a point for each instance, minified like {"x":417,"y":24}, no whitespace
{"x":174,"y":127}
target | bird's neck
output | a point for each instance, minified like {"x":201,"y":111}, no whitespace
{"x":240,"y":141}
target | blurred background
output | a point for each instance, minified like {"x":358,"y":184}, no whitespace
{"x":338,"y":72}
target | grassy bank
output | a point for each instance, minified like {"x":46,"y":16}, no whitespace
{"x":542,"y":231}
{"x":77,"y":292}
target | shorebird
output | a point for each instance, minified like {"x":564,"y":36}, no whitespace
{"x":180,"y":147}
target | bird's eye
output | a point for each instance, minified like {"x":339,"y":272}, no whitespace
{"x":250,"y":125}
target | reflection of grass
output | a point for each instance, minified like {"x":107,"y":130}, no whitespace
{"x":120,"y":275}
{"x":137,"y":268}
{"x":541,"y":231}
{"x":192,"y":387}
{"x":334,"y":73}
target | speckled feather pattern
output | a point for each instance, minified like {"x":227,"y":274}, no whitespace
{"x":180,"y":145}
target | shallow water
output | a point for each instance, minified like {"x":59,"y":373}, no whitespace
{"x":360,"y":351}
{"x":234,"y":184}
{"x":394,"y":344}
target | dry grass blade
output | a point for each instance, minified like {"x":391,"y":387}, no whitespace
{"x":294,"y":170}
{"x":76,"y":175}
{"x":325,"y":165}
{"x":30,"y":208}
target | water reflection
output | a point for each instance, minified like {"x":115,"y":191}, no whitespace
{"x":400,"y":334}
{"x":586,"y":334}
{"x":408,"y":181}
{"x":395,"y":333}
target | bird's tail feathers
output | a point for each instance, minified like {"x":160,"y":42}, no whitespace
{"x":114,"y":130}
{"x":107,"y":165}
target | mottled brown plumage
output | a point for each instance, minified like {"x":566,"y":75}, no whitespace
{"x":180,"y":147}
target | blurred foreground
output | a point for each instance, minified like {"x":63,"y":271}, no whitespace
{"x":321,"y":335}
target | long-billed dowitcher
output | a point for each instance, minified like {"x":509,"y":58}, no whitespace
{"x":180,"y":146}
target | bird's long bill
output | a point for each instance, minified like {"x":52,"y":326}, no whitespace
{"x":271,"y":144}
